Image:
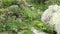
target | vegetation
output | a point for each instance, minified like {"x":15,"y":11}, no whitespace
{"x":19,"y":16}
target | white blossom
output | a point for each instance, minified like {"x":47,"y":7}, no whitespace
{"x":35,"y":31}
{"x":52,"y":16}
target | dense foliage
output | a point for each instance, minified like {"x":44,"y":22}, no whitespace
{"x":18,"y":17}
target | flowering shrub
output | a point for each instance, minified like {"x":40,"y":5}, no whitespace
{"x":19,"y":16}
{"x":52,"y":16}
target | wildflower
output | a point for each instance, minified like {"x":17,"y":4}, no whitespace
{"x":52,"y":16}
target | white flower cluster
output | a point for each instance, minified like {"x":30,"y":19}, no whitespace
{"x":52,"y":16}
{"x":35,"y":31}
